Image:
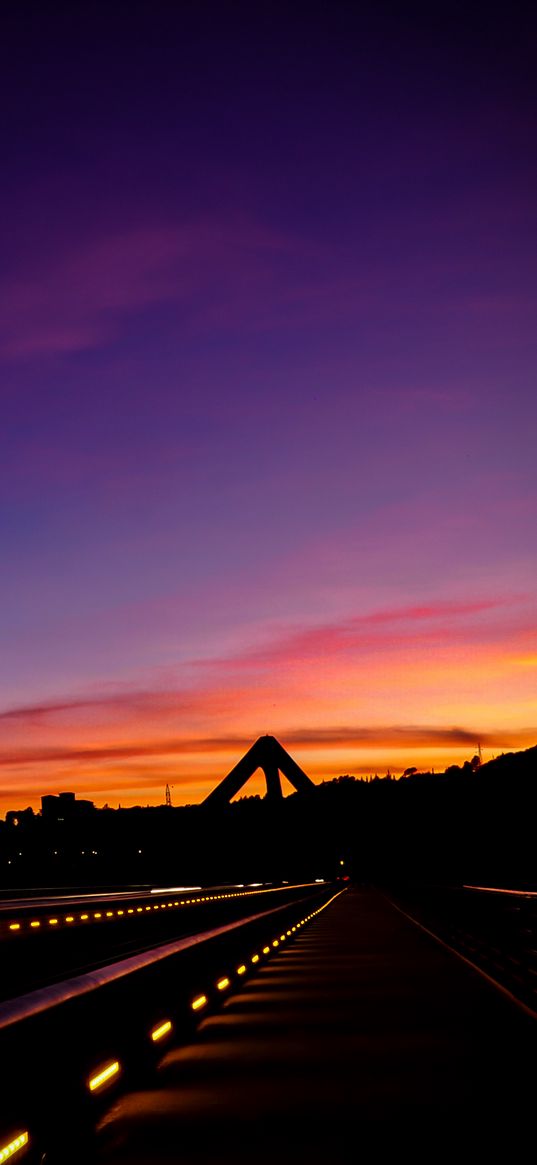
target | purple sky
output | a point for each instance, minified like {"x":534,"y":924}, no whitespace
{"x":267,"y":342}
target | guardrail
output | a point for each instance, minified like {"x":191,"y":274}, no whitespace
{"x":35,"y":920}
{"x":37,"y":956}
{"x":68,"y":1046}
{"x":494,"y":929}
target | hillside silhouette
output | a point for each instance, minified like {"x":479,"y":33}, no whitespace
{"x":474,"y":823}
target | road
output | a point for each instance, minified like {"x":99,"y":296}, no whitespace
{"x":364,"y":1033}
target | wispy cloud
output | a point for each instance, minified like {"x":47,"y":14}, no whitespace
{"x":436,"y":621}
{"x":414,"y":625}
{"x":221,"y":272}
{"x":110,"y":703}
{"x":78,"y":301}
{"x":127,"y":737}
{"x":218,"y":272}
{"x":440,"y":620}
{"x":391,"y":736}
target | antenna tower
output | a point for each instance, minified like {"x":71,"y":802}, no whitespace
{"x":168,"y":797}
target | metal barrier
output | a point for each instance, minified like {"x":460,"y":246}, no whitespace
{"x":66,"y":1047}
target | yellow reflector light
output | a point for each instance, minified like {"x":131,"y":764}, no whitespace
{"x":14,"y":926}
{"x":69,"y":918}
{"x":97,"y":915}
{"x":161,"y":1030}
{"x":242,"y":969}
{"x":275,"y":943}
{"x":121,"y":912}
{"x":222,"y":984}
{"x":199,"y":1002}
{"x":101,"y":1078}
{"x":34,"y":924}
{"x":266,"y":950}
{"x":53,"y":921}
{"x":109,"y":913}
{"x":255,"y":958}
{"x":7,"y":1151}
{"x":84,"y":917}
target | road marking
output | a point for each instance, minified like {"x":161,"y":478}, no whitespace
{"x":494,"y":982}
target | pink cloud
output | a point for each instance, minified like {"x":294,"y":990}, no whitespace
{"x":441,"y":621}
{"x":437,"y":621}
{"x":141,"y":732}
{"x":110,"y":705}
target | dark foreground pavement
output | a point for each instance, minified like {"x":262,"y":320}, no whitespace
{"x":364,"y":1034}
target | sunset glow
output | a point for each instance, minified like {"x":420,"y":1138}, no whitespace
{"x":449,"y":675}
{"x":268,"y":403}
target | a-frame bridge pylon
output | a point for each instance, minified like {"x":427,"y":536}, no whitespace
{"x":267,"y":754}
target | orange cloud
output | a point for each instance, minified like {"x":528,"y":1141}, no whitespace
{"x":448,"y":671}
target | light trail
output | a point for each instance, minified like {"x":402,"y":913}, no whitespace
{"x":22,"y":924}
{"x":502,"y":890}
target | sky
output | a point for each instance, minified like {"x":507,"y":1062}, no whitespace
{"x":268,"y":400}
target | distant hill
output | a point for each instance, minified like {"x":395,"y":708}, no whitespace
{"x":469,"y":824}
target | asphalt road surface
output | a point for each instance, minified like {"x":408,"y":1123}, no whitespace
{"x":365,"y":1034}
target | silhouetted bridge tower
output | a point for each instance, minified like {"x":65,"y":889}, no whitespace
{"x":268,"y":755}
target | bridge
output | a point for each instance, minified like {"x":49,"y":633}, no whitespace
{"x":268,"y":755}
{"x":303,"y":1022}
{"x":362,"y":1022}
{"x":316,"y":1015}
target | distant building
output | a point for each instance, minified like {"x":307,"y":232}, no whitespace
{"x":16,"y":817}
{"x":64,"y":807}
